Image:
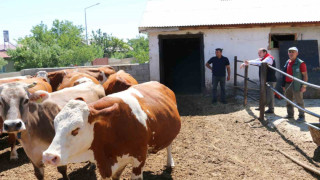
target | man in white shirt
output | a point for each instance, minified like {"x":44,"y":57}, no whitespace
{"x":265,"y":57}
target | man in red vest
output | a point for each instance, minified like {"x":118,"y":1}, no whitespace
{"x":264,"y":56}
{"x":294,"y":89}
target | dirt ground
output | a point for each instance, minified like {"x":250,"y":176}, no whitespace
{"x":215,"y":142}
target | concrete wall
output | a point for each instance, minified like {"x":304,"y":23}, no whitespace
{"x":242,"y":42}
{"x":139,"y":71}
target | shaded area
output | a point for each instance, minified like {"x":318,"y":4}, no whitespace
{"x":7,"y":164}
{"x":192,"y":105}
{"x":181,"y":64}
{"x":166,"y":174}
{"x":86,"y":172}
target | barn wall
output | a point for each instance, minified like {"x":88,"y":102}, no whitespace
{"x":242,"y":42}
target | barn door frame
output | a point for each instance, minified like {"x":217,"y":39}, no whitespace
{"x":183,"y":36}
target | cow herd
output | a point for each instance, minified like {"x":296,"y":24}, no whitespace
{"x":88,"y":114}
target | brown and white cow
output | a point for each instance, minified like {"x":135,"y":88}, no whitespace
{"x":119,"y":81}
{"x":40,"y":84}
{"x":32,"y":123}
{"x":101,"y":74}
{"x":76,"y":78}
{"x":116,"y":130}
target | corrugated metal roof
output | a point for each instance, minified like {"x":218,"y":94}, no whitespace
{"x":179,"y":13}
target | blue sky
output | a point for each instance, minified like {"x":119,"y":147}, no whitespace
{"x":119,"y":17}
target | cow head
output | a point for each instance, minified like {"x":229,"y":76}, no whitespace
{"x":44,"y":75}
{"x":74,"y":133}
{"x":14,"y":104}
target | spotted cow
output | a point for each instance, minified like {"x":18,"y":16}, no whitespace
{"x":116,"y":130}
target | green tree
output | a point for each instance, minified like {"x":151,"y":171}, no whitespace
{"x":112,"y":46}
{"x":61,"y":45}
{"x":140,"y":46}
{"x":3,"y":62}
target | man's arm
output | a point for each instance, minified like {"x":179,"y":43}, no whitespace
{"x":208,"y":66}
{"x":305,"y":78}
{"x":228,"y":69}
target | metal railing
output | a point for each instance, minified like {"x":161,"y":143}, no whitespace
{"x":264,"y":84}
{"x":245,"y":84}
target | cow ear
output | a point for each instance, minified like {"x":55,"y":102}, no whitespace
{"x":39,"y":96}
{"x":123,"y":83}
{"x":80,"y":99}
{"x":111,"y":111}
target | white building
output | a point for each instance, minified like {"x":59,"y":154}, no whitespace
{"x":183,"y":35}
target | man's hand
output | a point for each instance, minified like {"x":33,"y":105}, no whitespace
{"x":246,"y":63}
{"x":303,"y":89}
{"x":228,"y":78}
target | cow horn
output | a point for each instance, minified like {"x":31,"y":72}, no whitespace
{"x":32,"y":85}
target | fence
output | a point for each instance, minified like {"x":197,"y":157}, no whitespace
{"x":245,"y":88}
{"x":264,"y":85}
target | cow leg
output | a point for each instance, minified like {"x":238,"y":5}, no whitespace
{"x":39,"y":171}
{"x":117,"y":175}
{"x":12,"y":143}
{"x":170,"y":162}
{"x":63,"y":171}
{"x":137,"y":171}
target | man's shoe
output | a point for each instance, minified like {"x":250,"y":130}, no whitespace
{"x":269,"y":111}
{"x":258,"y":109}
{"x":288,"y":117}
{"x":301,"y":118}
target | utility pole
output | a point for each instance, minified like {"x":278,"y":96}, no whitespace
{"x":85,"y":18}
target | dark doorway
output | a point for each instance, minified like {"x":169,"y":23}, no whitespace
{"x":181,"y":63}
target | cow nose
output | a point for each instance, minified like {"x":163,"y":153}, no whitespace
{"x":50,"y":158}
{"x":6,"y":127}
{"x":13,"y":125}
{"x":18,"y":125}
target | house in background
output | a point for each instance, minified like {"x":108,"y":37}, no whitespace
{"x":183,"y":35}
{"x":3,"y":53}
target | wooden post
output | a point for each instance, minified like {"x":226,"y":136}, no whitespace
{"x":235,"y":75}
{"x":245,"y":89}
{"x":263,"y":88}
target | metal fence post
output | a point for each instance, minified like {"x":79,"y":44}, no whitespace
{"x":235,"y":75}
{"x":263,"y":88}
{"x":245,"y":88}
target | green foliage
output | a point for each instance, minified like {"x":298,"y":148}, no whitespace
{"x":112,"y":46}
{"x":62,"y":45}
{"x":117,"y":48}
{"x":3,"y":62}
{"x":140,"y":50}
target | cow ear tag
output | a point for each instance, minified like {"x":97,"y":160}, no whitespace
{"x":19,"y":135}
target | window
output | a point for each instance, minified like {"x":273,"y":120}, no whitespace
{"x":274,"y":39}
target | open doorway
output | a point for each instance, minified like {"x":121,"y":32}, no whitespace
{"x":182,"y":63}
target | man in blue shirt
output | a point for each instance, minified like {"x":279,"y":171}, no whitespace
{"x":218,"y":68}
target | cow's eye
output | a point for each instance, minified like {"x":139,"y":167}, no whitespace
{"x":75,"y":132}
{"x":25,"y":101}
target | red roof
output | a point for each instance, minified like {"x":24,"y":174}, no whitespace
{"x":4,"y":54}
